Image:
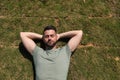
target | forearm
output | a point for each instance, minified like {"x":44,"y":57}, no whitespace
{"x":70,"y":34}
{"x":75,"y":38}
{"x":31,"y":35}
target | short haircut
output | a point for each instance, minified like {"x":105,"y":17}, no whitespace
{"x":49,"y":27}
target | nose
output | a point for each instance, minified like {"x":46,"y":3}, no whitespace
{"x":49,"y":37}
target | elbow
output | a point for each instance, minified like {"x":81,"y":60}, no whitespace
{"x":80,"y":32}
{"x":21,"y":34}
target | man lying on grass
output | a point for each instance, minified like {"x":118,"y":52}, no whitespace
{"x":51,"y":63}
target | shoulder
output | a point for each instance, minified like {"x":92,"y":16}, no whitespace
{"x":66,"y":48}
{"x":37,"y":49}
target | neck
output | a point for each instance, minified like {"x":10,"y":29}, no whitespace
{"x":50,"y":47}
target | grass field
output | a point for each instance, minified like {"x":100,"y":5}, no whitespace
{"x":98,"y":56}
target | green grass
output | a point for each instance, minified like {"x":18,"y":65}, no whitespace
{"x":97,"y":63}
{"x":98,"y":58}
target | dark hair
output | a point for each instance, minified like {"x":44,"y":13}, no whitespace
{"x":50,"y":27}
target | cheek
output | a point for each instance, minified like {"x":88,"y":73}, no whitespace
{"x":55,"y":39}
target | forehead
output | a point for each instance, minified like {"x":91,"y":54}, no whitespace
{"x":49,"y":32}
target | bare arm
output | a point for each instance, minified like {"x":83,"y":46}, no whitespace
{"x":27,"y":40}
{"x":75,"y":38}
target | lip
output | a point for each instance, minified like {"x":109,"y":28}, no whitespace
{"x":50,"y":42}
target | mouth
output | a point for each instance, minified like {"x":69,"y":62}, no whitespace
{"x":50,"y":43}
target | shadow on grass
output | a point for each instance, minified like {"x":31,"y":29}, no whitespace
{"x":28,"y":56}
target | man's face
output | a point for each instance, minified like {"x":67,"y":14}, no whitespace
{"x":50,"y":38}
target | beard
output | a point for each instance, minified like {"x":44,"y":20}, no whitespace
{"x":50,"y":44}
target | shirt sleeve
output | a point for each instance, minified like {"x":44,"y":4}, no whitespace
{"x":36,"y":50}
{"x":68,"y":51}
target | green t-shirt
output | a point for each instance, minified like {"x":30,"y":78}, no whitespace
{"x":51,"y":64}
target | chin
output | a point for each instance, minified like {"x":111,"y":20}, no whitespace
{"x":51,"y":45}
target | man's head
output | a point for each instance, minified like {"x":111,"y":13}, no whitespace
{"x":50,"y":36}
